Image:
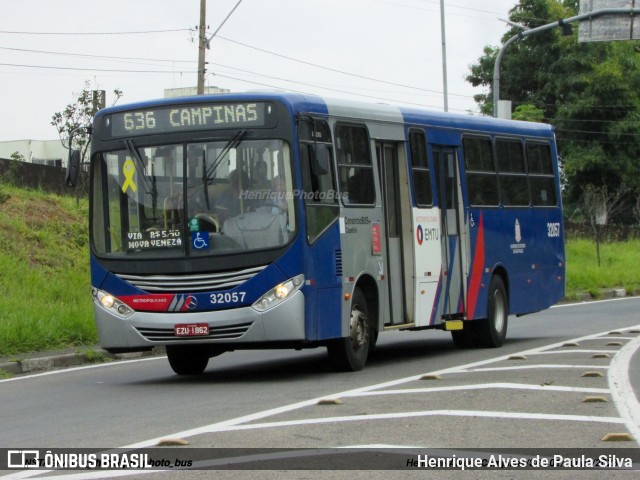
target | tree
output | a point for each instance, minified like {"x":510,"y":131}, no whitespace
{"x":589,"y":91}
{"x":598,"y":206}
{"x":74,"y":121}
{"x":529,"y":113}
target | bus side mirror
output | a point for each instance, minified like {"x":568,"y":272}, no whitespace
{"x":73,"y":168}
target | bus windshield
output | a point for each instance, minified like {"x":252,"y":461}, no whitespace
{"x":192,"y":199}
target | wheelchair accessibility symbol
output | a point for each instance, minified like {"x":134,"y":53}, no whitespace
{"x":200,"y":240}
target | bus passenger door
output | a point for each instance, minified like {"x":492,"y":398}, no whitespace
{"x":395,"y":200}
{"x":451,"y":299}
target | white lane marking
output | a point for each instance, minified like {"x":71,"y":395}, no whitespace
{"x":30,"y":376}
{"x":540,"y":366}
{"x":424,"y":413}
{"x":554,"y":352}
{"x":482,"y":386}
{"x":581,"y":304}
{"x":622,"y":391}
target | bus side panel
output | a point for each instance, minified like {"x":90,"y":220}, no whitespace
{"x":478,"y":277}
{"x":428,"y":265}
{"x":516,"y":242}
{"x":324,"y":286}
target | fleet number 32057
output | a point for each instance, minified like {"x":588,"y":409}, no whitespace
{"x":553,"y":229}
{"x":228,"y":297}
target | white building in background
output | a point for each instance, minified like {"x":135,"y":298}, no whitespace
{"x":51,"y":152}
{"x":188,"y":91}
{"x":43,"y":152}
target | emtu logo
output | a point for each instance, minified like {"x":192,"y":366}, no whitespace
{"x":518,"y":234}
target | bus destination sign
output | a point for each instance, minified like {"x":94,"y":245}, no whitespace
{"x":190,"y":117}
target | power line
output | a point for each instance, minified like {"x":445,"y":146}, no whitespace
{"x":105,"y":57}
{"x":330,"y":69}
{"x":95,"y":33}
{"x":94,"y":69}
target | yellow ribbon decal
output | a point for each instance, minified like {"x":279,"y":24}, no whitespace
{"x":129,"y":171}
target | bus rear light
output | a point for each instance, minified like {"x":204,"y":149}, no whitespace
{"x":278,"y":293}
{"x":111,"y":303}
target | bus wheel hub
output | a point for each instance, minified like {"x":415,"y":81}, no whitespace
{"x":358,"y":328}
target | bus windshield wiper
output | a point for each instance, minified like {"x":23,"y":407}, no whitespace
{"x":205,"y":180}
{"x":233,"y":143}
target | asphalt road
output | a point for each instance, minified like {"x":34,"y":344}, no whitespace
{"x":531,"y":393}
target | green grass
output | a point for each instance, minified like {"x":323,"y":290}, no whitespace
{"x":619,"y":266}
{"x":45,"y":300}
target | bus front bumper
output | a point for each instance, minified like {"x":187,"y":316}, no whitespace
{"x":235,"y":327}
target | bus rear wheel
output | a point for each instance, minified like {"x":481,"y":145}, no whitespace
{"x":491,"y":331}
{"x":349,"y":354}
{"x":188,"y":359}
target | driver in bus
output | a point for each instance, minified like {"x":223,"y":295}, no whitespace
{"x":228,"y":203}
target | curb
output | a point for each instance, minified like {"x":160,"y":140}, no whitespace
{"x":43,"y":362}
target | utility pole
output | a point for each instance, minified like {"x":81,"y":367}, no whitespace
{"x":202,"y":42}
{"x":444,"y":57}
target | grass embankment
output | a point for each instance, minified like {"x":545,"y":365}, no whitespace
{"x":45,"y":300}
{"x":619,"y":268}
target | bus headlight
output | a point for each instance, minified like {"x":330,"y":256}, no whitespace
{"x":111,"y":303}
{"x":279,"y":293}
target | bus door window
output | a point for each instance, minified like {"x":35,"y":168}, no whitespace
{"x":389,"y":175}
{"x":446,"y":172}
{"x":355,"y":170}
{"x":420,"y":165}
{"x":395,"y":200}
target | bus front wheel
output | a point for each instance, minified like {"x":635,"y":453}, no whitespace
{"x":492,"y":330}
{"x":349,"y":354}
{"x":188,"y":359}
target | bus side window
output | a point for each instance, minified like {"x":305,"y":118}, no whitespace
{"x":514,"y":188}
{"x":317,"y":176}
{"x":482,"y":181}
{"x":541,"y":176}
{"x":355,"y":170}
{"x":420,"y":168}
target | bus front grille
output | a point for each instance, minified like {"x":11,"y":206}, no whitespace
{"x":215,"y":333}
{"x":191,"y":282}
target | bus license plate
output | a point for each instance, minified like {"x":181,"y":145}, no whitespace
{"x":191,"y":329}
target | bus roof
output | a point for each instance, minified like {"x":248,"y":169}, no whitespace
{"x":313,"y":104}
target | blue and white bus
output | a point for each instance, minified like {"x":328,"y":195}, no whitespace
{"x":280,"y":220}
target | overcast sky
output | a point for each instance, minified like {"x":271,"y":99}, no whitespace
{"x":374,"y":50}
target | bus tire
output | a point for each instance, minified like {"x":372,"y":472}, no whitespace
{"x":492,"y":330}
{"x":188,"y":359}
{"x":349,"y":354}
